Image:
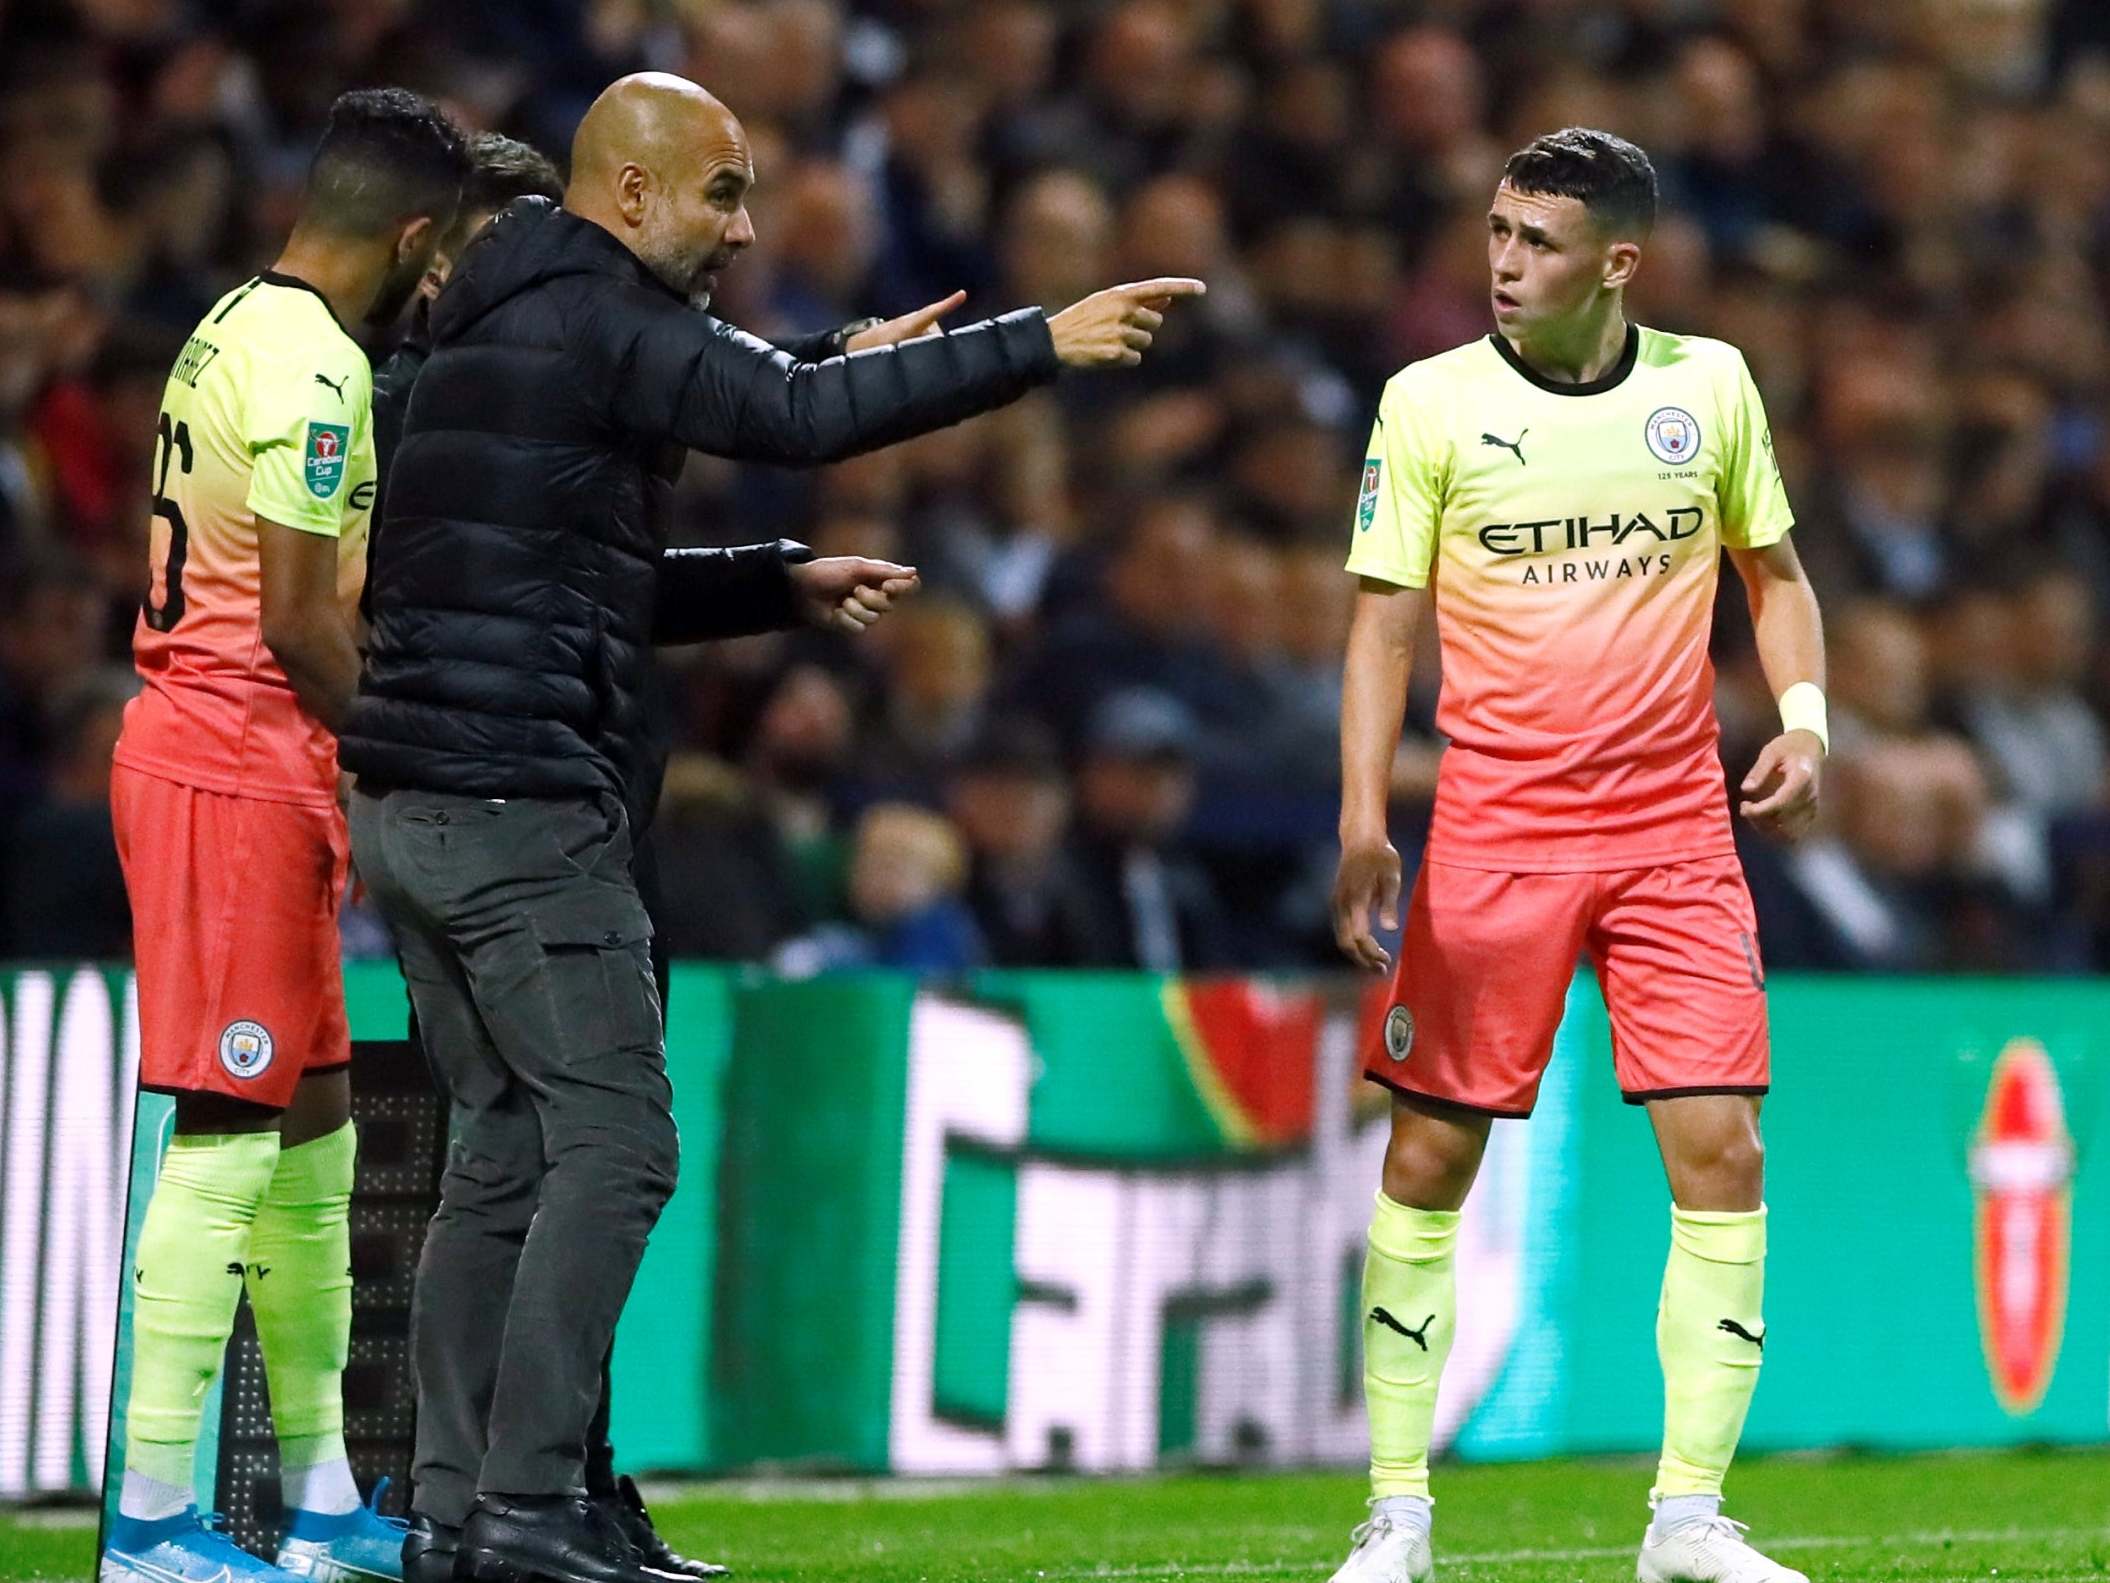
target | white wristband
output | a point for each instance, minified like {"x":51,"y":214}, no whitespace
{"x":1802,"y":709}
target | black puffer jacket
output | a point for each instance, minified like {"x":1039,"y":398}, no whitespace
{"x":704,"y":593}
{"x":394,"y":378}
{"x":518,"y":579}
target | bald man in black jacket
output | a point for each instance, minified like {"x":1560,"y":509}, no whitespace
{"x":501,"y":723}
{"x":501,"y":171}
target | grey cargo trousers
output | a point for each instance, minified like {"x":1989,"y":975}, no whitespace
{"x":527,"y":954}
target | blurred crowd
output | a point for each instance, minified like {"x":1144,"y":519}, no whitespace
{"x":1105,"y":732}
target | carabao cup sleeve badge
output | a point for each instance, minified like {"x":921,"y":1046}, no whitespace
{"x":324,"y":457}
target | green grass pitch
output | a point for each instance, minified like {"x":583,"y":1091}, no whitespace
{"x":2024,"y":1517}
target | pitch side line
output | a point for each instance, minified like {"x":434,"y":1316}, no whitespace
{"x":1595,"y":1552}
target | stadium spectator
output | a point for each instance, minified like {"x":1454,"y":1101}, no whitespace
{"x":1011,"y":803}
{"x":62,"y":893}
{"x":1154,"y":906}
{"x":1151,"y":631}
{"x":1055,"y":238}
{"x":1897,"y":883}
{"x":824,"y":235}
{"x":938,"y":673}
{"x":51,"y":629}
{"x":2024,"y":711}
{"x":906,"y":873}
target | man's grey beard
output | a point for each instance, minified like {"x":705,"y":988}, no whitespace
{"x":675,"y":275}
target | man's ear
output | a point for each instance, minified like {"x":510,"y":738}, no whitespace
{"x":1621,"y":260}
{"x":413,"y":236}
{"x":633,"y":190}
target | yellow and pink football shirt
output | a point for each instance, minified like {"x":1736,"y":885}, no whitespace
{"x":1572,"y":535}
{"x":268,"y":414}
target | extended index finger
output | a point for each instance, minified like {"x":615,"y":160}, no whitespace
{"x":938,"y":310}
{"x":871,"y":571}
{"x":1165,"y":286}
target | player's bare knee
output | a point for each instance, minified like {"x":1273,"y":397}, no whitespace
{"x":1743,"y":1164}
{"x":1722,"y":1169}
{"x":1431,"y":1166}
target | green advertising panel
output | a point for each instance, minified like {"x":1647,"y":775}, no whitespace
{"x":1130,"y":1214}
{"x":1889,"y":1282}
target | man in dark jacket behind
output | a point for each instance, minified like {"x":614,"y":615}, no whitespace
{"x":499,"y":727}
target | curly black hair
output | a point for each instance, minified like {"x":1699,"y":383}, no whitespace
{"x":387,"y":155}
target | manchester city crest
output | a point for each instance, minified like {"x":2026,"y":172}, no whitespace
{"x":246,"y":1049}
{"x":1673,"y":435}
{"x":1399,"y":1032}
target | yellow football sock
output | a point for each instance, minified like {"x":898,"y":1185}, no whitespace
{"x":187,"y":1279}
{"x":300,"y":1288}
{"x":1710,"y":1335}
{"x":1410,"y":1310}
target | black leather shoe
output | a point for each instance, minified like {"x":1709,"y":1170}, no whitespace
{"x":428,"y":1550}
{"x":546,"y":1539}
{"x":627,"y":1508}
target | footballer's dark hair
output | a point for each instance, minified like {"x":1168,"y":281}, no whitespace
{"x":1612,"y":177}
{"x":387,"y":155}
{"x":501,"y":169}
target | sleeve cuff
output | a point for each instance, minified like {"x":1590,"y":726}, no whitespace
{"x":706,"y":594}
{"x":331,"y":528}
{"x":1389,"y":574}
{"x":1761,"y":538}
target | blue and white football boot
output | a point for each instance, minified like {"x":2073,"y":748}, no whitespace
{"x":358,"y":1546}
{"x":186,"y":1548}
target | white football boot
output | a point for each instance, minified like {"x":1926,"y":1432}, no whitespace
{"x":1387,"y":1551}
{"x":1708,"y":1550}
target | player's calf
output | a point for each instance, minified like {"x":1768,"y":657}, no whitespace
{"x":1711,"y":1338}
{"x":186,"y":1282}
{"x":300,"y":1289}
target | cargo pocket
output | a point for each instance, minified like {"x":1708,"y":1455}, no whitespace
{"x":599,"y":961}
{"x":591,"y":837}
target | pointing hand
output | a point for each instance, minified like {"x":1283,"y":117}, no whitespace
{"x":1113,"y":328}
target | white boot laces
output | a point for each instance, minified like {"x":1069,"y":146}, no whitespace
{"x":1372,"y":1529}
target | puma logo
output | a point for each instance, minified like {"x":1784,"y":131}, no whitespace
{"x":1420,"y":1337}
{"x":1514,"y":447}
{"x":1735,"y":1329}
{"x":334,"y":384}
